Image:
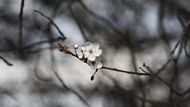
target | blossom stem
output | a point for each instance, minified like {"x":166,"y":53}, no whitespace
{"x":92,"y":77}
{"x":76,"y":53}
{"x":128,"y":72}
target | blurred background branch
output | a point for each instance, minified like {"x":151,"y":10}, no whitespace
{"x":130,"y":33}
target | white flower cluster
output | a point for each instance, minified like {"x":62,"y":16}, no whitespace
{"x":91,"y":53}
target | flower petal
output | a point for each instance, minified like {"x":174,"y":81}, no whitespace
{"x":91,"y":57}
{"x":86,"y":53}
{"x":96,"y":45}
{"x":99,"y":65}
{"x":89,"y":47}
{"x":98,"y":52}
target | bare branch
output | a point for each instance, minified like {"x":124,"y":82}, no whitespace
{"x":53,"y":23}
{"x":171,"y":57}
{"x":124,"y":71}
{"x":20,"y":26}
{"x":53,"y":63}
{"x":7,"y":62}
{"x":77,"y":22}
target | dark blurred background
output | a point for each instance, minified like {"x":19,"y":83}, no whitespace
{"x":130,"y":33}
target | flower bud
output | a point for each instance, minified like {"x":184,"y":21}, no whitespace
{"x":76,"y":46}
{"x":83,"y":48}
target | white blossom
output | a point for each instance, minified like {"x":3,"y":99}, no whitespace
{"x":76,"y":46}
{"x":95,"y":64}
{"x":88,"y":53}
{"x":83,"y":48}
{"x":91,"y":51}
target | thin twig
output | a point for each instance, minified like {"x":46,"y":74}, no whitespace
{"x":102,"y":19}
{"x":124,"y":71}
{"x":53,"y":23}
{"x":41,"y":43}
{"x":36,"y":70}
{"x":55,"y":70}
{"x":77,"y":22}
{"x":63,"y":83}
{"x":151,"y":75}
{"x":20,"y":26}
{"x":65,"y":50}
{"x":30,"y":46}
{"x":182,"y":41}
{"x":164,"y":66}
{"x":167,"y":84}
{"x":171,"y":57}
{"x":7,"y":62}
{"x":145,"y":73}
{"x":54,"y":13}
